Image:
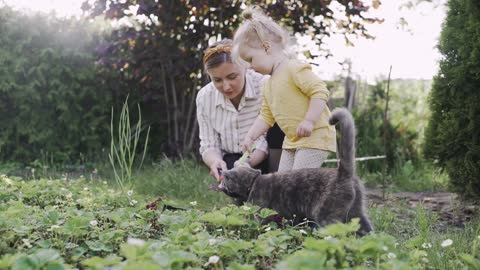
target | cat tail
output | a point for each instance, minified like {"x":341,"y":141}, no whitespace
{"x":347,"y":141}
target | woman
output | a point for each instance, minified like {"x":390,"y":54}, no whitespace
{"x":226,"y":108}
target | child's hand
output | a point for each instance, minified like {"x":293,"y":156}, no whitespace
{"x":305,"y":128}
{"x":247,"y":145}
{"x":215,"y":169}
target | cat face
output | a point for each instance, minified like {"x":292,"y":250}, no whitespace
{"x":238,"y":181}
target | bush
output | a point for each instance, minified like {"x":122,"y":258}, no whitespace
{"x":54,"y":104}
{"x":453,"y":133}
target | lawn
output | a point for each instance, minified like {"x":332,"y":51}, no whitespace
{"x":171,"y":219}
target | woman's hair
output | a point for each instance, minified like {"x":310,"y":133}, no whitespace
{"x":256,"y":29}
{"x":217,"y":54}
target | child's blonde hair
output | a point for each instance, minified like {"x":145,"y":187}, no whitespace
{"x":257,"y":29}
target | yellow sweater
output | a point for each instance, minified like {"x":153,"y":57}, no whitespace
{"x":286,"y":97}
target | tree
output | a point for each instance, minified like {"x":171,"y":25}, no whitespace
{"x":160,"y":47}
{"x":453,"y":132}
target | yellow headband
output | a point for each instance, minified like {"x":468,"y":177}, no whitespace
{"x":218,"y":49}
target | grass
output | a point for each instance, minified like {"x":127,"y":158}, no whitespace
{"x":418,"y":228}
{"x":424,"y":177}
{"x":184,"y":181}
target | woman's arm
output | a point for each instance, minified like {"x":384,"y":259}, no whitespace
{"x":210,"y":146}
{"x":215,"y":162}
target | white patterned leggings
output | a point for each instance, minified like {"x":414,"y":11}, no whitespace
{"x":293,"y":159}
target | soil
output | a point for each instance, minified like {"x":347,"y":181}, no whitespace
{"x":451,"y":210}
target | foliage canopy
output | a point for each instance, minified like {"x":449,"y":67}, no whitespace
{"x":159,"y":45}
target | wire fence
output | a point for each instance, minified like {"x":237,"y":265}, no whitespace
{"x":357,"y":159}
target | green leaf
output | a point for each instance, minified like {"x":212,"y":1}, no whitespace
{"x":237,"y":266}
{"x":101,"y":263}
{"x":340,"y":229}
{"x":25,"y":263}
{"x":472,"y":262}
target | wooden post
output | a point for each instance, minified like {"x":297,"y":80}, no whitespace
{"x":385,"y":137}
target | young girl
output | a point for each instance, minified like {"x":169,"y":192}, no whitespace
{"x":294,"y":96}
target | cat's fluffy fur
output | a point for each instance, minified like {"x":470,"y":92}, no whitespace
{"x":323,"y":195}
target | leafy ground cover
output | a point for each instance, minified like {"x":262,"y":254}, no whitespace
{"x":176,"y":222}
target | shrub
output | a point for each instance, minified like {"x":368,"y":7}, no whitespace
{"x":453,"y":133}
{"x":53,"y":103}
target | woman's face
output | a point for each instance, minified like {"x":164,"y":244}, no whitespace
{"x":229,"y":79}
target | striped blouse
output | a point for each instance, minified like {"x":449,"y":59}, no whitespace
{"x":222,"y":128}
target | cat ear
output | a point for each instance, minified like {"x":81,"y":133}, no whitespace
{"x":254,"y":173}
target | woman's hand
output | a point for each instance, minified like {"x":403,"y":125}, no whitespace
{"x":216,"y":167}
{"x":305,"y":128}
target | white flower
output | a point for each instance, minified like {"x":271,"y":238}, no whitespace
{"x":213,"y":259}
{"x":391,"y":255}
{"x":246,"y":208}
{"x":328,"y":237}
{"x":63,"y":189}
{"x":6,"y":179}
{"x":95,"y":171}
{"x":478,"y":237}
{"x":193,"y":203}
{"x":133,"y":202}
{"x":104,"y":182}
{"x":111,"y":190}
{"x":53,"y":227}
{"x":268,"y":229}
{"x":302,"y":231}
{"x":26,"y":242}
{"x":447,"y":243}
{"x":135,"y":242}
{"x":426,"y":245}
{"x":129,"y":193}
{"x":85,"y":188}
{"x":93,"y":223}
{"x":69,"y":195}
{"x":385,"y":248}
{"x":396,"y":244}
{"x":425,"y":260}
{"x":219,"y":230}
{"x":70,"y":245}
{"x":212,"y":241}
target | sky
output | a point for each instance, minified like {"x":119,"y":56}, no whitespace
{"x":410,"y":50}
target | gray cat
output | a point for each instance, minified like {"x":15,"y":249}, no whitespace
{"x":323,"y":195}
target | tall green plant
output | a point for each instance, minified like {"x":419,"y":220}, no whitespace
{"x":453,"y":133}
{"x":123,"y":146}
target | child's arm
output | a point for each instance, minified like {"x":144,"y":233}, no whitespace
{"x":258,"y":128}
{"x":315,"y":109}
{"x":256,"y":157}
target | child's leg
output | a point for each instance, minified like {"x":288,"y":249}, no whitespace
{"x":286,"y":160}
{"x":309,"y":158}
